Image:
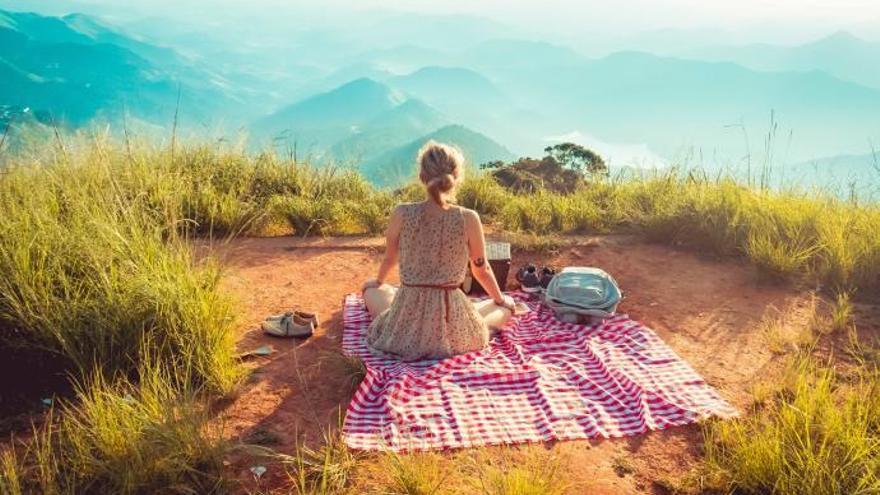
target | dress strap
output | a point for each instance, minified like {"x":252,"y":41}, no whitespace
{"x":463,"y":225}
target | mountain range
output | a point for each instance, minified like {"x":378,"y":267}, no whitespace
{"x":371,"y":95}
{"x":398,"y":165}
{"x":77,"y":69}
{"x":320,"y":120}
{"x":840,"y":54}
{"x":844,"y":174}
{"x":375,"y":127}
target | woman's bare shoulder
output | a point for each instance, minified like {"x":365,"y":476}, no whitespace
{"x":401,"y":209}
{"x":469,"y":215}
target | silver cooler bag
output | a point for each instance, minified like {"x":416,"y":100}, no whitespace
{"x":580,"y":294}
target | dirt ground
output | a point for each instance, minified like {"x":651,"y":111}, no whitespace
{"x":709,"y":311}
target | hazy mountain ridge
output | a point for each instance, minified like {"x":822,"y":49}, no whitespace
{"x":450,"y":86}
{"x":77,"y":69}
{"x":321,"y":120}
{"x":398,"y":165}
{"x":840,"y":54}
{"x":847,"y":173}
{"x":348,"y":105}
{"x":389,"y":130}
{"x":669,"y":102}
{"x":357,"y":94}
{"x":372,"y":125}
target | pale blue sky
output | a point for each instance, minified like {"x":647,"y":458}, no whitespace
{"x":763,"y":20}
{"x":791,"y":21}
{"x":653,"y":13}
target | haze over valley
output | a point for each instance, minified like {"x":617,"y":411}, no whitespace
{"x":366,"y":87}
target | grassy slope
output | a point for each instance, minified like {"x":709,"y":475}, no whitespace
{"x":96,"y":271}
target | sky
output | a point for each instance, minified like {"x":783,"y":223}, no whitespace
{"x":652,"y":14}
{"x":791,"y":21}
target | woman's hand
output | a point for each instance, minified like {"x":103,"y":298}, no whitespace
{"x":370,"y":284}
{"x":506,"y":302}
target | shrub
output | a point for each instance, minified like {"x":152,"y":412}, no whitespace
{"x":529,"y":175}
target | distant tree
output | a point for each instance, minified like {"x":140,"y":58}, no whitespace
{"x":528,"y":175}
{"x":578,"y":158}
{"x":492,"y":165}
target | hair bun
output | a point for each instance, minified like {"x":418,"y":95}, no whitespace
{"x":446,"y":182}
{"x":440,"y":168}
{"x":443,"y":183}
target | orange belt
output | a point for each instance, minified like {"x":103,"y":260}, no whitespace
{"x":444,"y":287}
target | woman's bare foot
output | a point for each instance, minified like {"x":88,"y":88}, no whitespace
{"x":494,"y":315}
{"x":378,"y":299}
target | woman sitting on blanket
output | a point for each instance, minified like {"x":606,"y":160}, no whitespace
{"x":433,"y":240}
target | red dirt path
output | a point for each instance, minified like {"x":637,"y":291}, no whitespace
{"x":708,"y":311}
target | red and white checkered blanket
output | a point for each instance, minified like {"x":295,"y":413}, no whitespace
{"x":539,"y":380}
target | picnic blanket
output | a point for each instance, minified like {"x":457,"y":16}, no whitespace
{"x":540,"y":379}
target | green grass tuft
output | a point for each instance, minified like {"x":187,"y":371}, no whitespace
{"x":90,"y":271}
{"x":416,"y":474}
{"x":822,"y":437}
{"x":127,"y":438}
{"x":10,"y":473}
{"x":326,"y":470}
{"x":841,"y":312}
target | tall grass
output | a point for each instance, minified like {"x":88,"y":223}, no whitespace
{"x":122,"y":437}
{"x":217,"y":191}
{"x":521,"y":480}
{"x":819,"y":436}
{"x":416,"y":474}
{"x":333,"y":469}
{"x":95,"y":252}
{"x":787,"y":235}
{"x":97,"y":271}
{"x":327,"y":470}
{"x":90,"y":270}
{"x":10,"y":476}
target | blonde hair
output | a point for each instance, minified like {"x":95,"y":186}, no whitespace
{"x":441,"y":168}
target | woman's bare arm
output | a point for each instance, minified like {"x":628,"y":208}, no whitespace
{"x":479,"y":264}
{"x":392,"y":249}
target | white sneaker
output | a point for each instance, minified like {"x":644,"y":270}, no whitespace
{"x":301,"y":314}
{"x":289,"y":325}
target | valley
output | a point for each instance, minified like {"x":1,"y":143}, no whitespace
{"x":353,"y":98}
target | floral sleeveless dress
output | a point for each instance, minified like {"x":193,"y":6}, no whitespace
{"x":430,"y":317}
